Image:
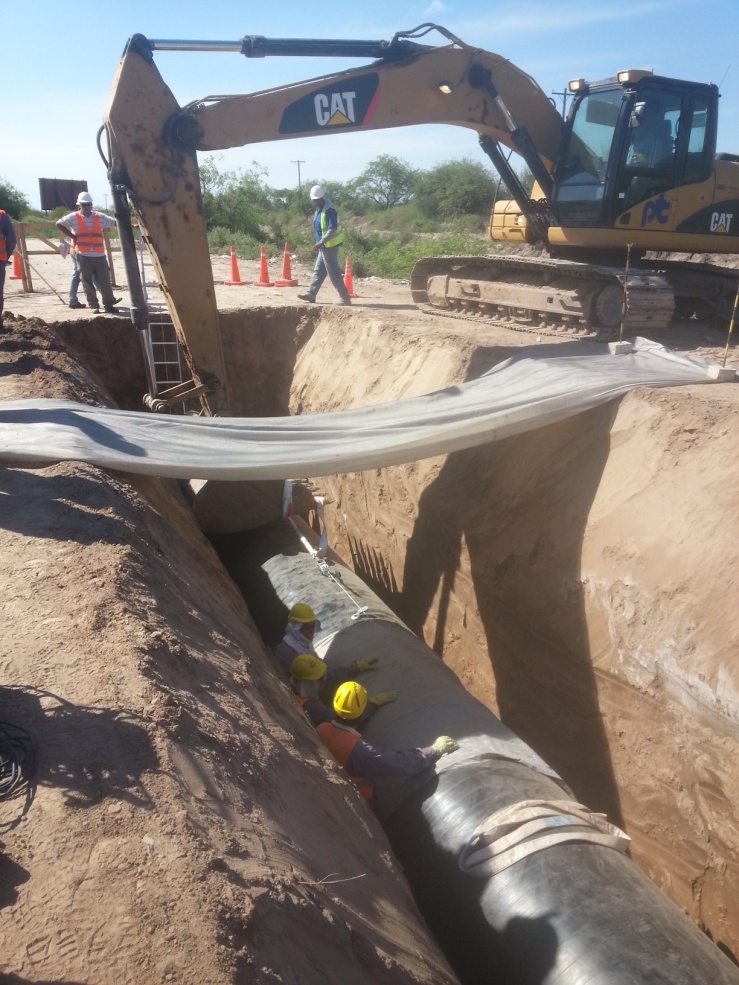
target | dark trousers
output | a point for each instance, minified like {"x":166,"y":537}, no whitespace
{"x":3,"y":268}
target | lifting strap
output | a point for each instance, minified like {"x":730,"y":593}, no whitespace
{"x":520,"y":830}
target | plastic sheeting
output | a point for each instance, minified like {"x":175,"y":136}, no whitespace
{"x":520,"y":394}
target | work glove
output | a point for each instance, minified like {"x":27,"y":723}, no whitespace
{"x":366,"y":664}
{"x":383,"y":698}
{"x":444,"y":744}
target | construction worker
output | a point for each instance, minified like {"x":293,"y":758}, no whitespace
{"x":7,"y":245}
{"x":364,"y":762}
{"x":85,"y":228}
{"x":328,"y":238}
{"x":308,"y":678}
{"x":302,"y":624}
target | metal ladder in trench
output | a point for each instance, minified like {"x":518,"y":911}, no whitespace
{"x":163,"y":344}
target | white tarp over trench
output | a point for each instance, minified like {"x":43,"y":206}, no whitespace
{"x":520,"y":394}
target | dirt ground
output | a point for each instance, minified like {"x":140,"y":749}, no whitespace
{"x":184,"y":823}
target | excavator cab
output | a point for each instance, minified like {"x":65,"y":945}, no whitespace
{"x":629,"y":140}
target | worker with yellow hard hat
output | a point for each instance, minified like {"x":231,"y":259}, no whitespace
{"x":302,"y":624}
{"x":362,"y":761}
{"x":308,"y":674}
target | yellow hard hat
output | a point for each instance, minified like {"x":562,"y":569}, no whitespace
{"x":306,"y":667}
{"x":301,"y":612}
{"x":350,"y":700}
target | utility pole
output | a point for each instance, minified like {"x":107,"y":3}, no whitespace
{"x":298,"y":164}
{"x":565,"y":96}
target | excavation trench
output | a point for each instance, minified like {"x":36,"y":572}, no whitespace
{"x":567,"y":576}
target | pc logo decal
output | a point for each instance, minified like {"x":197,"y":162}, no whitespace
{"x":344,"y":104}
{"x":657,"y":210}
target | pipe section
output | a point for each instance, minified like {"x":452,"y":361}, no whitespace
{"x":571,"y":914}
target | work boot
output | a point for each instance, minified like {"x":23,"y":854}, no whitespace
{"x":111,"y":309}
{"x":76,"y":304}
{"x":307,"y":297}
{"x":345,"y":301}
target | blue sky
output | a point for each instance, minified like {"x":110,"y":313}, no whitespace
{"x":59,"y":61}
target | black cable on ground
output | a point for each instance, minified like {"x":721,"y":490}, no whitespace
{"x":17,"y":758}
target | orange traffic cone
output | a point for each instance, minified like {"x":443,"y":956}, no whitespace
{"x":348,"y":280}
{"x":264,"y":280}
{"x":236,"y":280}
{"x":287,"y":279}
{"x":16,"y":275}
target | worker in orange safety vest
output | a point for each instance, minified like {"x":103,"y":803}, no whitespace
{"x":362,"y":761}
{"x":85,"y":228}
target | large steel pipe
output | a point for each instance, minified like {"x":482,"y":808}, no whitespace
{"x":571,"y":914}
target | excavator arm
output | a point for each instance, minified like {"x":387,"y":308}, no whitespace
{"x":153,"y":144}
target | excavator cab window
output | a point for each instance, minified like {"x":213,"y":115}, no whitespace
{"x":578,"y":196}
{"x":698,"y":163}
{"x":648,"y":161}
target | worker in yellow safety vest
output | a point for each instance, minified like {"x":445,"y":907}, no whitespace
{"x":328,"y":240}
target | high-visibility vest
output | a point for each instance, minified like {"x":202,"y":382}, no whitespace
{"x":3,"y":244}
{"x":340,"y":740}
{"x":338,"y":238}
{"x":89,"y":240}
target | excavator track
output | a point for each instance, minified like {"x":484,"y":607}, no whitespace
{"x":545,"y":296}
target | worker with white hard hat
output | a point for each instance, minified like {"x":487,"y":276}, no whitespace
{"x":85,"y":228}
{"x":328,"y":240}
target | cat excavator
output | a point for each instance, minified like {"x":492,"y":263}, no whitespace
{"x":631,"y":171}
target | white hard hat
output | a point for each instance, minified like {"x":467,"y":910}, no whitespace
{"x":317,"y":192}
{"x":84,"y":198}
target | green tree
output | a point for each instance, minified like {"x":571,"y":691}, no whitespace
{"x":12,"y":201}
{"x":387,"y":181}
{"x":238,"y":201}
{"x":456,"y":188}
